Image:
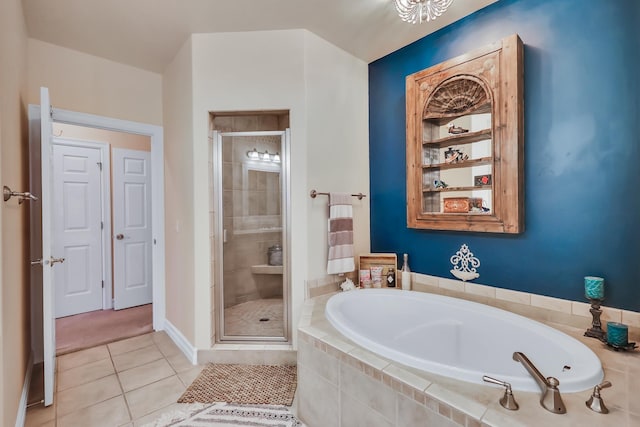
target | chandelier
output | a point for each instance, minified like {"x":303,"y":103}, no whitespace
{"x":413,"y":11}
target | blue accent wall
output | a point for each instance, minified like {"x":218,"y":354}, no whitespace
{"x":582,"y":150}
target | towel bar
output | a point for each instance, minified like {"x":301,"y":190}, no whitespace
{"x":315,"y":193}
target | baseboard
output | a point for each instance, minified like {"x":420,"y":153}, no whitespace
{"x":22,"y":406}
{"x":183,"y":343}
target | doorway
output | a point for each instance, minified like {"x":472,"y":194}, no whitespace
{"x":101,"y":182}
{"x":251,"y":192}
{"x":154,"y":216}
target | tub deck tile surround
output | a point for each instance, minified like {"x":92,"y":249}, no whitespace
{"x":444,"y":401}
{"x":406,"y":377}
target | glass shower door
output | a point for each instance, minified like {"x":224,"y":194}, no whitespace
{"x":253,"y":302}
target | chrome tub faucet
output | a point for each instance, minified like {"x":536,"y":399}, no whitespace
{"x":550,"y":398}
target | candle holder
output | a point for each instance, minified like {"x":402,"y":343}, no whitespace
{"x":595,"y":331}
{"x":626,"y":347}
{"x":618,"y":337}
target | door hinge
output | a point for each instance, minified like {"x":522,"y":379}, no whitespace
{"x":99,"y":165}
{"x":103,"y":284}
{"x":101,"y":225}
{"x":51,"y":111}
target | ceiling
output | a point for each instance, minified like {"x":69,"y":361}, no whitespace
{"x":148,"y":33}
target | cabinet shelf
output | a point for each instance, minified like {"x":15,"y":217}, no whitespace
{"x":450,"y":189}
{"x":490,"y":105}
{"x":465,"y":164}
{"x":460,"y":214}
{"x":459,"y":139}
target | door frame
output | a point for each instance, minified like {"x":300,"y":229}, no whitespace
{"x":105,"y":186}
{"x":155,"y":133}
{"x":218,"y":250}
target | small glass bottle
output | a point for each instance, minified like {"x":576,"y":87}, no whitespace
{"x":406,"y":274}
{"x":391,"y":277}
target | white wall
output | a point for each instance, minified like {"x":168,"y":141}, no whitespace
{"x":337,"y":106}
{"x":179,"y":192}
{"x":240,"y":72}
{"x":325,"y":90}
{"x":89,"y":84}
{"x":15,"y":342}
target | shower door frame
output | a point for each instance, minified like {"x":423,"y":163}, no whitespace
{"x":285,"y":209}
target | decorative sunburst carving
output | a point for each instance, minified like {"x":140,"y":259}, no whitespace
{"x":456,"y":97}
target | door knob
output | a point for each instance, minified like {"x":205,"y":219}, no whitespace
{"x":55,"y":260}
{"x":120,"y":236}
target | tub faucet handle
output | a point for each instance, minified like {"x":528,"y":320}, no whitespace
{"x":507,"y":401}
{"x":595,"y":402}
{"x":550,"y":397}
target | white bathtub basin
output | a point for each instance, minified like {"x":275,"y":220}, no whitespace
{"x":461,"y":339}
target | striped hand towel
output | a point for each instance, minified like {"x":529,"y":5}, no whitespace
{"x":340,"y":258}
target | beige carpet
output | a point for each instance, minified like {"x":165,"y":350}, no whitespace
{"x":245,"y":384}
{"x":95,"y":328}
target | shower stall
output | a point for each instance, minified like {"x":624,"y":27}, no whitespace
{"x":251,"y":239}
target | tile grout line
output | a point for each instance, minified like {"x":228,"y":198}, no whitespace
{"x":154,"y":346}
{"x":153,"y":382}
{"x":124,"y":396}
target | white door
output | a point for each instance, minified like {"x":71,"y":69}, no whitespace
{"x":131,"y":228}
{"x":49,"y":263}
{"x":77,"y":228}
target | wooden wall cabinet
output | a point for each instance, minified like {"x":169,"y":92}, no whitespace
{"x":470,"y":177}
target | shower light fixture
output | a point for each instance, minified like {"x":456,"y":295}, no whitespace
{"x":253,"y":154}
{"x":264,"y":156}
{"x":413,"y":11}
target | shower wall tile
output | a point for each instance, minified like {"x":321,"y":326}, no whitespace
{"x":227,"y":176}
{"x":237,"y":177}
{"x":237,"y":200}
{"x":227,"y":203}
{"x":223,"y":123}
{"x":227,"y":152}
{"x":229,"y":264}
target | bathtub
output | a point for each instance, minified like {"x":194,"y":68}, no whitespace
{"x":461,"y":339}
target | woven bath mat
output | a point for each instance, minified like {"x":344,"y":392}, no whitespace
{"x":246,"y":384}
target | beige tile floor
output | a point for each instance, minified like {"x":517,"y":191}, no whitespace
{"x":126,"y":383}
